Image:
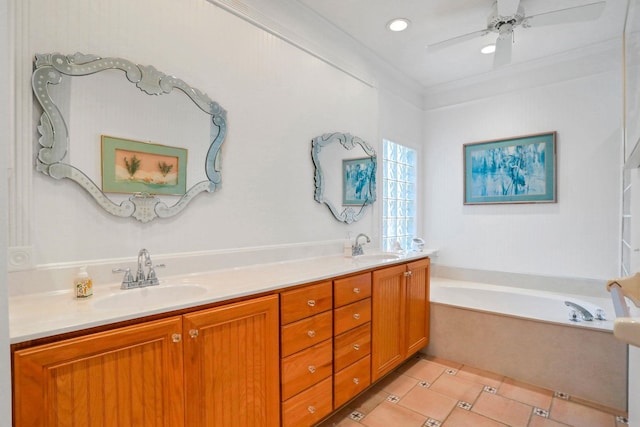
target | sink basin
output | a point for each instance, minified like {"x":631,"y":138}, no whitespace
{"x":383,"y":256}
{"x":149,"y":296}
{"x":627,"y":329}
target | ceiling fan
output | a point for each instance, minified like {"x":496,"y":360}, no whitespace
{"x":509,"y":14}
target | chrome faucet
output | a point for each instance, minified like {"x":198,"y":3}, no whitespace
{"x":356,"y":249}
{"x":140,"y":280}
{"x":584,"y":313}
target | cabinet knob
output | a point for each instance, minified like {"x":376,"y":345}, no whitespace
{"x":311,"y":303}
{"x":356,"y":347}
{"x":176,"y":337}
{"x":356,"y":290}
{"x":356,"y":380}
{"x":312,"y":369}
{"x":408,"y":273}
{"x":311,"y":409}
{"x":193,"y":333}
{"x":311,"y":333}
{"x":356,"y":316}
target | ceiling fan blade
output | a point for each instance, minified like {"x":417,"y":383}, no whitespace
{"x":508,"y":7}
{"x":588,"y":12}
{"x":502,"y":55}
{"x":455,"y":40}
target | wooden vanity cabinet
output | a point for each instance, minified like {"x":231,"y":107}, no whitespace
{"x":400,"y":315}
{"x":215,"y":367}
{"x":306,"y":343}
{"x":352,"y":337}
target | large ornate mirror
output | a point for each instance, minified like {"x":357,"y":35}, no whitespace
{"x":345,"y":174}
{"x":140,"y":148}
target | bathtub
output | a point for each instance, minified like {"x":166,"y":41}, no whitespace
{"x":520,"y":302}
{"x":527,"y":335}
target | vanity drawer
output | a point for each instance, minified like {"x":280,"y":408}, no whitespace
{"x":308,"y":407}
{"x":351,"y":289}
{"x":351,"y":346}
{"x":351,"y":381}
{"x":305,"y":302}
{"x":352,"y":315}
{"x":305,"y":368}
{"x":305,"y":333}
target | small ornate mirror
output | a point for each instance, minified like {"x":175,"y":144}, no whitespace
{"x":345,"y":174}
{"x":152,"y":149}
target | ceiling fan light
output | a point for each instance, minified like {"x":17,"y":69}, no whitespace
{"x":490,"y":48}
{"x":398,"y":24}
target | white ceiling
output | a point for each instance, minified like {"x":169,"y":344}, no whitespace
{"x":436,"y":20}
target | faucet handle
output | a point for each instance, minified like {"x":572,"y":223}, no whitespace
{"x":127,"y":280}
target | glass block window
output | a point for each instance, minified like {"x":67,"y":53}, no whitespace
{"x":399,"y":172}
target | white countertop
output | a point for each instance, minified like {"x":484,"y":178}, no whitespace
{"x":51,"y":313}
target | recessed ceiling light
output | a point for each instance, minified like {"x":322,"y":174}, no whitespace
{"x":398,"y":24}
{"x":490,"y":48}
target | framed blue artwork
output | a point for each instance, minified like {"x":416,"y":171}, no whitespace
{"x":358,"y":181}
{"x":514,"y":170}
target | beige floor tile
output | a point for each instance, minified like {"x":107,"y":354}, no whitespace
{"x":398,"y":385}
{"x":424,"y":370}
{"x":458,"y":388}
{"x":463,"y":418}
{"x":480,"y":376}
{"x":575,"y":414}
{"x":428,"y":403}
{"x":525,"y":393}
{"x":338,"y":419}
{"x":510,"y":412}
{"x":390,"y":414}
{"x":368,"y":401}
{"x":444,"y":362}
{"x":544,"y":422}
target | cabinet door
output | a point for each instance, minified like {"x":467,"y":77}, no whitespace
{"x":232,"y":365}
{"x":417,"y":305}
{"x":130,"y":376}
{"x":387,"y":320}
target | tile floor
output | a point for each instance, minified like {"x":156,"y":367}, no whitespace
{"x":439,"y":393}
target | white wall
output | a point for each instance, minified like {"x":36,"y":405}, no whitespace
{"x":277,"y":97}
{"x":5,"y":364}
{"x":576,"y":237}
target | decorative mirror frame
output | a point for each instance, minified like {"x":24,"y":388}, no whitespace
{"x":54,"y":139}
{"x":349,"y":142}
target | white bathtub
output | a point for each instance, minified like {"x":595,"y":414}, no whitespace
{"x":520,"y":302}
{"x":526,"y":334}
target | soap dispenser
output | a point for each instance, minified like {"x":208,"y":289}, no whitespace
{"x":83,"y":284}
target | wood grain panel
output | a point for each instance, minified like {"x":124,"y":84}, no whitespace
{"x":306,"y":332}
{"x":305,"y":368}
{"x":232,"y":365}
{"x":304,"y":302}
{"x":418,"y":306}
{"x":352,"y":315}
{"x":388,"y":320}
{"x":104,"y":379}
{"x":350,"y":381}
{"x":351,"y":346}
{"x":351,"y":289}
{"x":307,"y":408}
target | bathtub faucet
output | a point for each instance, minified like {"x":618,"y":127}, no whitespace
{"x":584,"y":313}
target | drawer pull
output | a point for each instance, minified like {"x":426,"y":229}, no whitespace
{"x":356,"y":316}
{"x":356,"y":290}
{"x":312,"y":369}
{"x":311,"y":303}
{"x":311,"y":333}
{"x":356,"y":347}
{"x":356,"y":380}
{"x":311,"y":409}
{"x":193,"y":333}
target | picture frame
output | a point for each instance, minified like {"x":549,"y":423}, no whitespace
{"x":358,"y":181}
{"x":133,"y":167}
{"x":520,"y":169}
